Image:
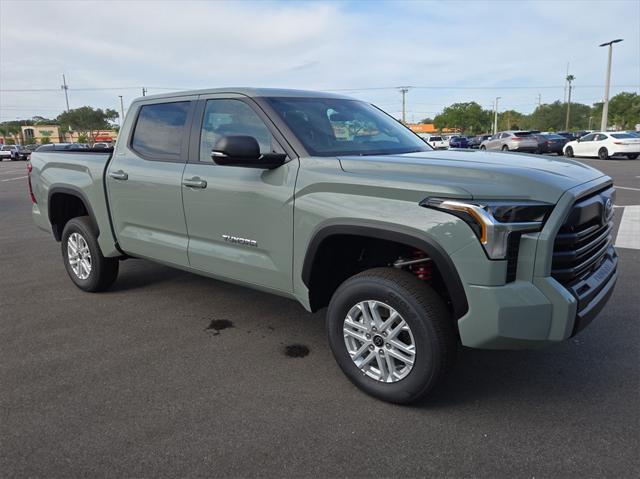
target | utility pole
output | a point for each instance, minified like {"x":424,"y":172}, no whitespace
{"x":121,"y":110}
{"x":539,"y":100}
{"x":404,"y":91}
{"x":65,"y":87}
{"x":570,"y":78}
{"x":590,"y":118}
{"x":144,"y":91}
{"x":495,"y":116}
{"x":605,"y":106}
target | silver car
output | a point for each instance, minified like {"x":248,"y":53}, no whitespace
{"x":511,"y":141}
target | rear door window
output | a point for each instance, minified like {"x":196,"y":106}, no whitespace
{"x":160,"y":131}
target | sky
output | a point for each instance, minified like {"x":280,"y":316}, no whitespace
{"x":445,"y":51}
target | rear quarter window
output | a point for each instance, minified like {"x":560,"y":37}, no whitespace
{"x":159,"y":130}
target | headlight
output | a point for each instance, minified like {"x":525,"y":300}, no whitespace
{"x":494,"y":221}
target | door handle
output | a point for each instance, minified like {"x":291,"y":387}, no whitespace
{"x":194,"y":183}
{"x":118,"y":175}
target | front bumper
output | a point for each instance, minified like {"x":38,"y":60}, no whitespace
{"x":535,"y":310}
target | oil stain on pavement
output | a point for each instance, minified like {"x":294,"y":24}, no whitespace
{"x":296,"y":350}
{"x":218,"y":325}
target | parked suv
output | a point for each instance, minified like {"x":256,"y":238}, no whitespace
{"x":511,"y":141}
{"x":331,"y":202}
{"x":5,"y":151}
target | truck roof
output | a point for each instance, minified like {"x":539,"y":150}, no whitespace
{"x":250,"y":92}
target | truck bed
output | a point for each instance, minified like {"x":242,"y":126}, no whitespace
{"x":79,"y":172}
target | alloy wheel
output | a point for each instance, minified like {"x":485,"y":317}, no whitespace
{"x":78,"y":255}
{"x":379,"y":341}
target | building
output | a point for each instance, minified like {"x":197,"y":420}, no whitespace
{"x":52,"y":134}
{"x":429,"y":128}
{"x":41,"y":134}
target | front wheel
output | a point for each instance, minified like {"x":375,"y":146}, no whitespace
{"x":83,"y":260}
{"x":633,"y":156}
{"x":391,"y":334}
{"x":603,"y":154}
{"x":569,"y":152}
{"x":483,"y":148}
{"x":505,"y":148}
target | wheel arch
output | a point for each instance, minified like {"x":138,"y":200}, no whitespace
{"x":63,"y":203}
{"x":438,"y":255}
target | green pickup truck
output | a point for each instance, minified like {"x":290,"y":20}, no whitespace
{"x":330,"y":201}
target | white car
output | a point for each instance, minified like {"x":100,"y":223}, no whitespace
{"x":603,"y":145}
{"x":5,"y":151}
{"x":436,"y":141}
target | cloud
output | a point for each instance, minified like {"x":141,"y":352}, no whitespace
{"x":313,"y":45}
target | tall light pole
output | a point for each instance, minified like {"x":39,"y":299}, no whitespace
{"x":605,"y":106}
{"x":495,"y":116}
{"x":404,"y":91}
{"x":121,"y":110}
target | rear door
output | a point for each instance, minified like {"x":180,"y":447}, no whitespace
{"x":239,"y":220}
{"x":144,"y":180}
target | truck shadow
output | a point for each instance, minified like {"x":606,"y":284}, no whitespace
{"x":136,"y":274}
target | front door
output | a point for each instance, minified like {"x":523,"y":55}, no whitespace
{"x":585,"y":145}
{"x":144,"y":181}
{"x":239,"y":220}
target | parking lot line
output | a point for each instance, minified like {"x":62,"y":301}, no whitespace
{"x":11,"y":179}
{"x":629,"y":231}
{"x":626,"y":188}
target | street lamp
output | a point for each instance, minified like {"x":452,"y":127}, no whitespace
{"x":495,"y":117}
{"x":605,"y":106}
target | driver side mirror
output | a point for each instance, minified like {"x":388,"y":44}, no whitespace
{"x":578,"y":140}
{"x":244,"y":151}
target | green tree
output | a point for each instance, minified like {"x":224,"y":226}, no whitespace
{"x":512,"y":120}
{"x":624,"y":111}
{"x":552,"y":117}
{"x":87,"y":119}
{"x":83,"y":138}
{"x":11,"y":129}
{"x":468,"y":117}
{"x":45,"y":139}
{"x":427,"y":121}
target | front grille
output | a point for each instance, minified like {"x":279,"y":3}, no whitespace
{"x":584,"y":260}
{"x":584,"y":240}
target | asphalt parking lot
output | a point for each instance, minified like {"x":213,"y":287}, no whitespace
{"x":135,"y":382}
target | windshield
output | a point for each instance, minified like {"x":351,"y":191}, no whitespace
{"x":335,"y":127}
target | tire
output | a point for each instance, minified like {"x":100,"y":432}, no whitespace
{"x":504,"y":148}
{"x":603,"y":154}
{"x":632,"y":156}
{"x":101,"y":271}
{"x":569,"y":152}
{"x":430,"y":330}
{"x":483,"y":148}
{"x":560,"y":153}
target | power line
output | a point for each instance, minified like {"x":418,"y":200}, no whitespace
{"x":420,"y":87}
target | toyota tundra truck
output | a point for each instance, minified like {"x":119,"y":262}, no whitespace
{"x":331,"y":202}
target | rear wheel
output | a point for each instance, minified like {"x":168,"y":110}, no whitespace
{"x":633,"y":156}
{"x":483,"y":148}
{"x":83,"y":260}
{"x":391,"y":334}
{"x":569,"y":152}
{"x":603,"y":154}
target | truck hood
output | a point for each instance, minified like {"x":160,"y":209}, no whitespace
{"x":475,"y":174}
